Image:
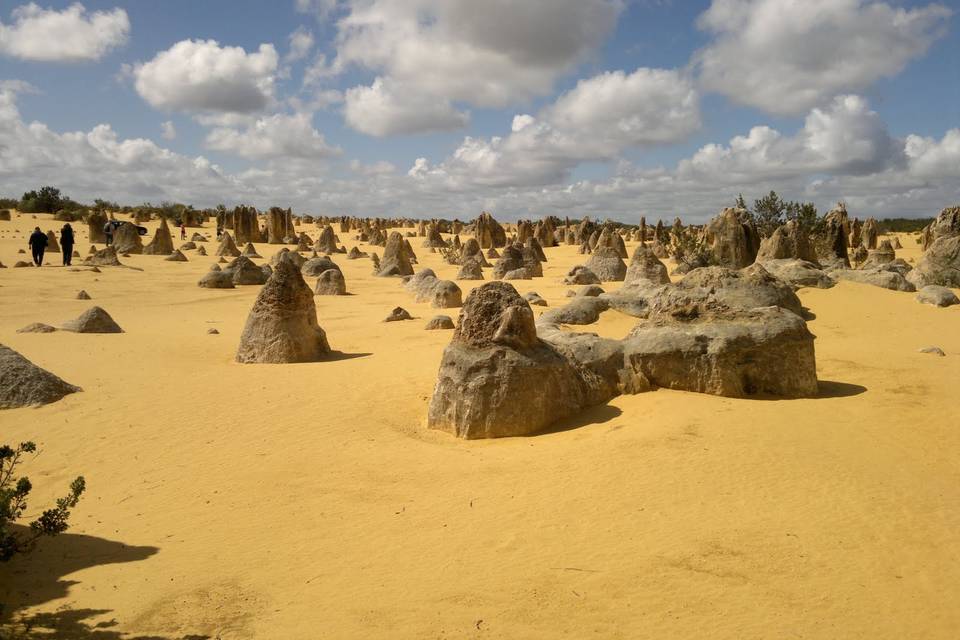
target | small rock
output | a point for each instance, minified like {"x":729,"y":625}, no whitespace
{"x":937,"y":351}
{"x":398,"y":313}
{"x":83,"y":295}
{"x":439,"y":322}
{"x":213,"y":332}
{"x":37,"y":327}
{"x":937,"y":295}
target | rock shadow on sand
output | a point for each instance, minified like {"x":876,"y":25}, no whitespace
{"x":833,"y":389}
{"x":36,"y":578}
{"x":591,"y":416}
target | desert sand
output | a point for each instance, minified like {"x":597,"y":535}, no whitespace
{"x":311,"y":501}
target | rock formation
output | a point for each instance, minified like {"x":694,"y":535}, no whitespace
{"x":395,"y":260}
{"x":282,"y":325}
{"x":330,"y":283}
{"x":24,"y":384}
{"x":126,"y":239}
{"x":162,"y":243}
{"x":93,"y":320}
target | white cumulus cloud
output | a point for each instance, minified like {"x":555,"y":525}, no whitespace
{"x":276,"y":136}
{"x":71,"y":35}
{"x":202,"y":76}
{"x":384,"y":109}
{"x":788,"y":56}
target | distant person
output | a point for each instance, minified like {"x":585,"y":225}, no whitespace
{"x":183,"y":231}
{"x":66,"y":244}
{"x":108,"y":231}
{"x":38,"y":244}
{"x":219,"y":231}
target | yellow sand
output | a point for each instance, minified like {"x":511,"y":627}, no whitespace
{"x":310,"y":501}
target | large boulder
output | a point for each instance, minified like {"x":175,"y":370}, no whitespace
{"x":798,"y":273}
{"x":789,"y":240}
{"x":938,"y":296}
{"x":330,"y":283}
{"x":103,"y":258}
{"x":24,"y":384}
{"x":243,"y":271}
{"x":93,"y":320}
{"x":217,"y":279}
{"x":940,"y":262}
{"x":395,"y":260}
{"x":765,"y":350}
{"x":732,"y":239}
{"x":606,"y":263}
{"x":883,"y":276}
{"x":282,"y":325}
{"x":646,"y":268}
{"x":227,"y":247}
{"x":497,"y":378}
{"x":162,"y":243}
{"x":126,"y":239}
{"x":313,"y":267}
{"x":580,"y":274}
{"x":441,"y":294}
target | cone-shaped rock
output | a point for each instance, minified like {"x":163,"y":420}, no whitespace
{"x":24,"y":384}
{"x":227,"y":246}
{"x":282,"y":326}
{"x":162,"y":243}
{"x":126,"y":239}
{"x":93,"y":320}
{"x":395,"y":261}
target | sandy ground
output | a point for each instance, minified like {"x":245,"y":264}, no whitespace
{"x":310,"y":501}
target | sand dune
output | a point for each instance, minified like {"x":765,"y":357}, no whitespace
{"x":310,"y":500}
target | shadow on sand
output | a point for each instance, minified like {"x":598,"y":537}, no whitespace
{"x":594,"y":415}
{"x":832,"y":389}
{"x":35,"y":578}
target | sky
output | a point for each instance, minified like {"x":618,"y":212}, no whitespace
{"x":444,"y":108}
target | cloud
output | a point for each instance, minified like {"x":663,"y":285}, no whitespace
{"x":596,"y":121}
{"x":276,"y":136}
{"x":786,"y":57}
{"x":485,"y":54}
{"x":71,"y":35}
{"x":169,"y":131}
{"x":915,"y":176}
{"x":202,"y":76}
{"x":383,"y":109}
{"x":301,"y":42}
{"x":844,"y":138}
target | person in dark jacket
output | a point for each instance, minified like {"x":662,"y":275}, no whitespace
{"x":66,"y":243}
{"x":38,"y":244}
{"x":108,"y":231}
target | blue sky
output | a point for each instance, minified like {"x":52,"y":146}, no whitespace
{"x":412,"y":104}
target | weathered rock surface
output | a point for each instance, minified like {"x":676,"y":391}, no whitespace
{"x":396,"y":261}
{"x":282,"y":325}
{"x":581,"y":275}
{"x":606,"y":263}
{"x":24,"y":384}
{"x":937,"y":295}
{"x":645,"y":268}
{"x":243,"y":271}
{"x":439,"y":322}
{"x":36,"y":327}
{"x":798,"y":273}
{"x":398,"y":314}
{"x":217,"y":279}
{"x":330,"y":283}
{"x":126,"y":239}
{"x":162,"y":243}
{"x":93,"y":320}
{"x":497,"y":378}
{"x":790,"y":240}
{"x":106,"y":257}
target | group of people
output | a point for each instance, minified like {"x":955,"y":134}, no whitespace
{"x":38,"y":245}
{"x":38,"y":241}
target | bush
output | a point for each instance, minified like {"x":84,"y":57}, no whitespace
{"x":46,"y":200}
{"x":903,"y":225}
{"x":13,"y":502}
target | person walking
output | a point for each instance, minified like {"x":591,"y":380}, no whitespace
{"x":66,"y":244}
{"x":183,"y":231}
{"x":108,"y":231}
{"x":38,"y":244}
